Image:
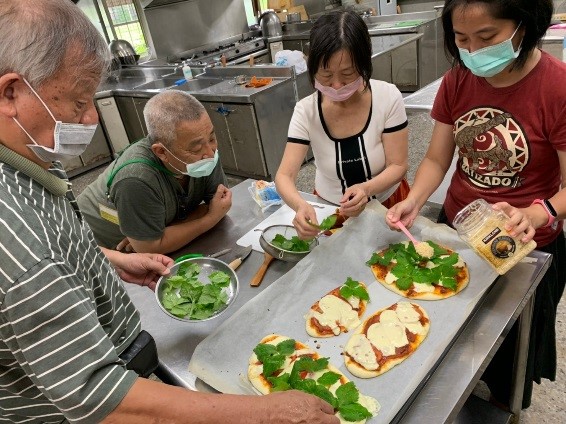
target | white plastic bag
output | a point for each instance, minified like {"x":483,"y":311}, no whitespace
{"x":265,"y":194}
{"x":291,"y":57}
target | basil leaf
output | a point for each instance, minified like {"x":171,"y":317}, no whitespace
{"x":347,"y":393}
{"x":286,"y":347}
{"x":328,"y":378}
{"x":354,"y":412}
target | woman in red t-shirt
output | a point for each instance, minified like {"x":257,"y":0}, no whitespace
{"x":503,"y":105}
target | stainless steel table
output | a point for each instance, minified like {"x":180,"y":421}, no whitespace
{"x":441,"y":396}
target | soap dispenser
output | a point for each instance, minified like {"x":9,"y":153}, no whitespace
{"x":187,"y":72}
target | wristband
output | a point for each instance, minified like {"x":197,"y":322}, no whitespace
{"x":550,"y":212}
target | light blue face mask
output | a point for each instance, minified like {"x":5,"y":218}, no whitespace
{"x":490,"y":60}
{"x":198,"y":169}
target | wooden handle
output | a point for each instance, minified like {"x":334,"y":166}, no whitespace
{"x":258,"y":277}
{"x":235,"y":264}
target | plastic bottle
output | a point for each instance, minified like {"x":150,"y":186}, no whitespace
{"x":483,"y":228}
{"x":187,"y":71}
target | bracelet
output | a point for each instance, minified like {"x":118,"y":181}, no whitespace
{"x":550,"y":212}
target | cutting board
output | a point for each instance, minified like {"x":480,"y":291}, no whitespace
{"x":282,"y":216}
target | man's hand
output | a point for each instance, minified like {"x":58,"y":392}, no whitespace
{"x":294,"y":407}
{"x":125,"y":246}
{"x":143,"y":269}
{"x":221,"y":202}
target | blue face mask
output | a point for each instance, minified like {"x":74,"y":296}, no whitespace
{"x":198,"y":169}
{"x":490,"y":60}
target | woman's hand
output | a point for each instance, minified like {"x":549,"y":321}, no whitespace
{"x":143,"y":269}
{"x":354,"y":200}
{"x":519,"y":223}
{"x":305,"y":221}
{"x":405,"y":211}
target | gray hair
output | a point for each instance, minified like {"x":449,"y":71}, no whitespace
{"x":37,"y":35}
{"x":165,"y":111}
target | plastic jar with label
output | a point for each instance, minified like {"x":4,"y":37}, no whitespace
{"x":483,"y":228}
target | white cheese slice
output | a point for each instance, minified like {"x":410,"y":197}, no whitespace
{"x":415,"y":327}
{"x":335,"y":312}
{"x":386,"y":336}
{"x":406,"y":312}
{"x":460,"y":263}
{"x":423,"y":287}
{"x":388,"y":316}
{"x":360,"y":349}
{"x":354,"y":301}
{"x":390,"y":278}
{"x":430,"y":265}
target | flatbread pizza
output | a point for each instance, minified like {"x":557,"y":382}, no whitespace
{"x":427,"y":271}
{"x":279,"y":363}
{"x":386,"y":339}
{"x":338,"y":311}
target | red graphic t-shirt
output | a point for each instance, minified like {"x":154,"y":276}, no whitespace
{"x":507,"y":138}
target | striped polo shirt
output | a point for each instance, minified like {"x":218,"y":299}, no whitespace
{"x":64,"y":313}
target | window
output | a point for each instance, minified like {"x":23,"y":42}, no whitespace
{"x":122,"y":20}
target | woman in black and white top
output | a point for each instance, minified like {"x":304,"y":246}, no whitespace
{"x":356,"y":126}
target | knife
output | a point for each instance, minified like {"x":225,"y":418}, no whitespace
{"x":244,"y":253}
{"x":200,"y":255}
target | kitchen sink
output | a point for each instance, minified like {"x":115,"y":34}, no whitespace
{"x":200,"y":84}
{"x":161,"y":84}
{"x":148,"y":72}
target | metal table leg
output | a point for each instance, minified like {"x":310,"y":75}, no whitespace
{"x":520,"y":360}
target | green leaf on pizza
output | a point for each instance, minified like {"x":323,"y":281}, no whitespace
{"x":286,"y":347}
{"x":353,"y":288}
{"x":272,"y":364}
{"x":347,"y":393}
{"x":328,"y":378}
{"x":345,"y":400}
{"x":280,"y":383}
{"x":354,"y":412}
{"x":265,"y":350}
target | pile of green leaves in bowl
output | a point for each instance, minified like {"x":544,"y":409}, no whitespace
{"x":184,"y":296}
{"x":294,"y":244}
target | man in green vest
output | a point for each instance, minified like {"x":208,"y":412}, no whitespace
{"x":166,"y":189}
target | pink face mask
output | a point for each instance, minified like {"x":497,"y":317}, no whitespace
{"x":343,"y":93}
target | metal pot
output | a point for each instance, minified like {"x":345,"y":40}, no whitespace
{"x":270,"y":24}
{"x":293,"y":17}
{"x":124,"y":51}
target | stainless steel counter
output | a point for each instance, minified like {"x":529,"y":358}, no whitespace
{"x":442,"y":395}
{"x":224,"y":91}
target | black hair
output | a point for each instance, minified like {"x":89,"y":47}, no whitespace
{"x":534,"y":16}
{"x":336,"y":31}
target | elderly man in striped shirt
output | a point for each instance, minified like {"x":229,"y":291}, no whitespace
{"x":65,"y":318}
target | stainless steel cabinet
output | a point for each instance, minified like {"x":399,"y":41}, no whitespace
{"x":97,"y":153}
{"x":111,"y":121}
{"x":131,"y":111}
{"x":239,"y":142}
{"x":302,"y":45}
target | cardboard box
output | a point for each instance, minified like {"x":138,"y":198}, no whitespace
{"x":280,"y":4}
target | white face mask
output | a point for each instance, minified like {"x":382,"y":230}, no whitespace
{"x":71,"y":140}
